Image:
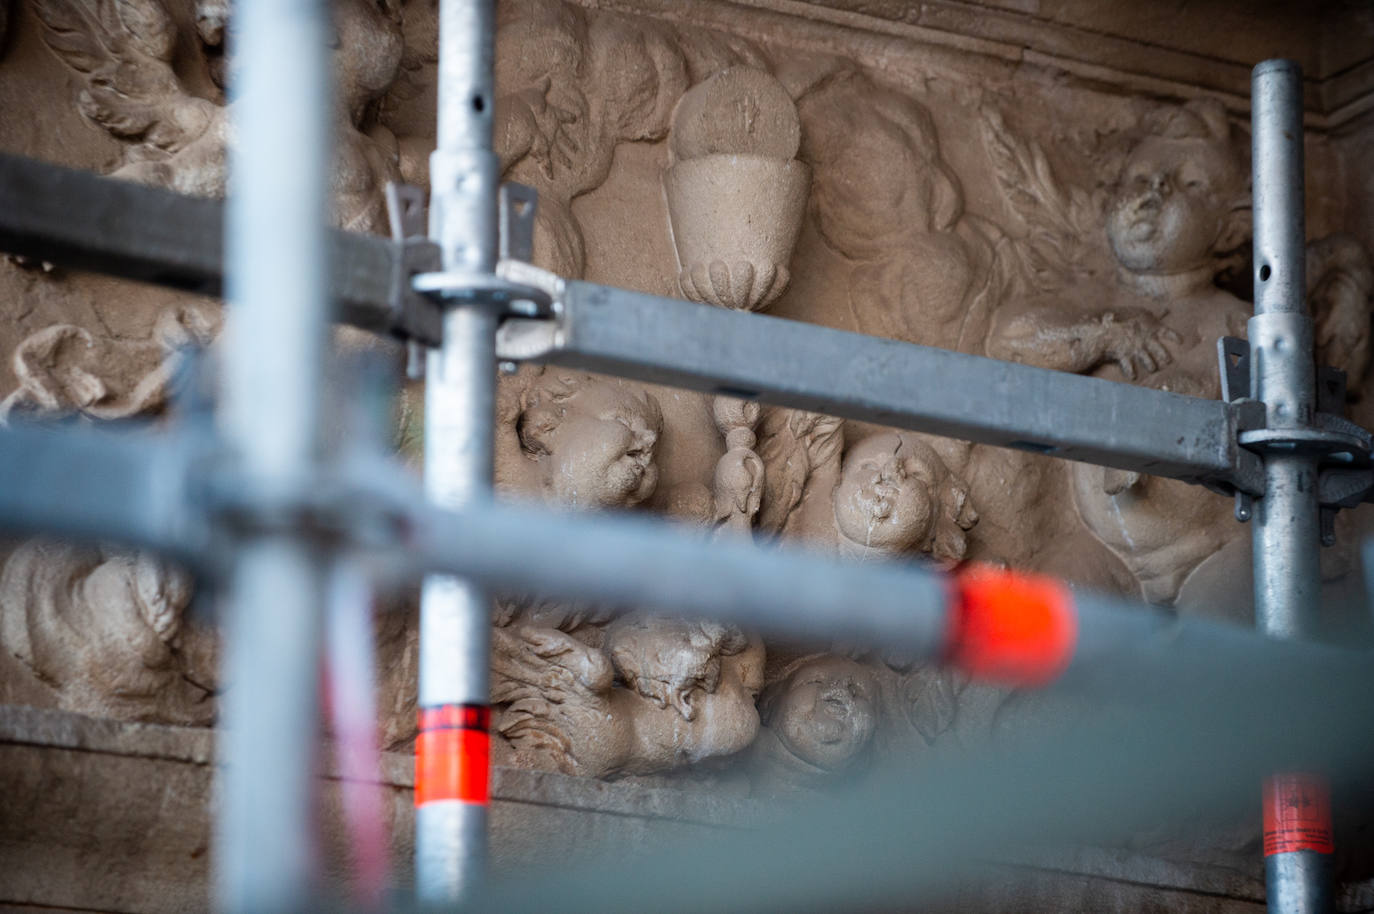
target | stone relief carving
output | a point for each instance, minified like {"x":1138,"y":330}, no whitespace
{"x":655,"y":695}
{"x":584,"y":84}
{"x":922,"y":269}
{"x":738,"y":486}
{"x":819,"y":717}
{"x":106,"y":630}
{"x":735,"y":190}
{"x":1177,"y":215}
{"x":123,"y":50}
{"x":800,"y":451}
{"x":751,"y":156}
{"x":64,"y":368}
{"x":895,"y":495}
{"x":583,"y":441}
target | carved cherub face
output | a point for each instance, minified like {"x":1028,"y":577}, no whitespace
{"x":1170,"y":207}
{"x":884,"y":499}
{"x":1181,"y":199}
{"x":672,"y":661}
{"x":825,"y":711}
{"x":595,"y":439}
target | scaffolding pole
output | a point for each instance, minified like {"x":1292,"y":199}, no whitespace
{"x":1286,"y":523}
{"x":452,"y":749}
{"x":276,"y":332}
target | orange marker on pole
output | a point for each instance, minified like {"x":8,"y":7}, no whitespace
{"x":452,"y":754}
{"x":1011,"y":628}
{"x":1297,"y":814}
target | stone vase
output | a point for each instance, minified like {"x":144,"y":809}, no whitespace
{"x":735,"y":220}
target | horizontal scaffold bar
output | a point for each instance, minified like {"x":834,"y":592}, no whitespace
{"x":84,"y":221}
{"x":80,"y":220}
{"x":169,"y":493}
{"x":853,"y":376}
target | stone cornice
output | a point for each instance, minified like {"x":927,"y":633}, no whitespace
{"x":887,"y":35}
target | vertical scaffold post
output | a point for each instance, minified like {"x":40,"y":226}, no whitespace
{"x":1286,"y":523}
{"x":452,"y":748}
{"x":276,"y":334}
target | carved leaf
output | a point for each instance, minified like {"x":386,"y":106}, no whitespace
{"x":793,"y":444}
{"x":72,"y":34}
{"x":1058,"y":218}
{"x":931,"y":700}
{"x":123,"y":48}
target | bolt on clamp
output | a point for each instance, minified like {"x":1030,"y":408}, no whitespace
{"x":1345,"y":450}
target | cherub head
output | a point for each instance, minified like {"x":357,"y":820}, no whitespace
{"x":594,"y":438}
{"x":895,"y":494}
{"x":672,"y":661}
{"x":1182,"y":200}
{"x":823,"y":710}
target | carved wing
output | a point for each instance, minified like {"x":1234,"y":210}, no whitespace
{"x":123,"y":49}
{"x":1340,"y":288}
{"x":1060,"y":219}
{"x":531,"y":665}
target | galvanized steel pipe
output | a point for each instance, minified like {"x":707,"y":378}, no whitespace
{"x":1286,"y":523}
{"x":451,"y":817}
{"x":276,"y":335}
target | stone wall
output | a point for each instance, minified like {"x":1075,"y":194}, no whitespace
{"x":1059,"y":183}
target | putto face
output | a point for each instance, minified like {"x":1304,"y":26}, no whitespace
{"x":601,"y":454}
{"x":1171,"y":204}
{"x":828,"y":713}
{"x":884,"y":499}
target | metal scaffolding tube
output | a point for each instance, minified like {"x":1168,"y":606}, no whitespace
{"x":277,"y":258}
{"x":1117,"y":649}
{"x":1286,"y":524}
{"x":455,"y":614}
{"x":853,"y":376}
{"x":270,"y":421}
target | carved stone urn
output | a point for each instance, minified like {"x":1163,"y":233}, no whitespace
{"x":736,"y":192}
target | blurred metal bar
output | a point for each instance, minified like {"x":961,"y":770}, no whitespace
{"x":79,"y":220}
{"x":666,"y":341}
{"x":269,"y":419}
{"x":1286,"y":523}
{"x":1123,"y":651}
{"x":97,"y":485}
{"x":156,"y":236}
{"x":912,"y":835}
{"x":460,"y":390}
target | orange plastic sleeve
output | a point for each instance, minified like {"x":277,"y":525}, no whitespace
{"x":1297,"y":814}
{"x":452,"y":754}
{"x":1010,"y":628}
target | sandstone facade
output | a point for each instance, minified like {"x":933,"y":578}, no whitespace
{"x":1058,"y":183}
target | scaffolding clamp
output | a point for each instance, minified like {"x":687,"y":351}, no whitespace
{"x":1345,"y":450}
{"x":504,"y":289}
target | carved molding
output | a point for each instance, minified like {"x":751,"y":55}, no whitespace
{"x":884,"y":34}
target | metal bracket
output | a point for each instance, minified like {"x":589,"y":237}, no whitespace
{"x":1345,"y":473}
{"x":416,"y":254}
{"x":517,"y":204}
{"x":1233,"y":356}
{"x":503,"y":288}
{"x":1233,"y":362}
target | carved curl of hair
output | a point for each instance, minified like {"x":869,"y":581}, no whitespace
{"x":1203,"y":119}
{"x":636,"y":644}
{"x":546,"y":402}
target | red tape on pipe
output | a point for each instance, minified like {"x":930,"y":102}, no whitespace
{"x":1010,"y":628}
{"x":1297,"y":814}
{"x":452,"y":754}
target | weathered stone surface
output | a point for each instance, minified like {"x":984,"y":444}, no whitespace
{"x":1059,"y":183}
{"x":69,"y":841}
